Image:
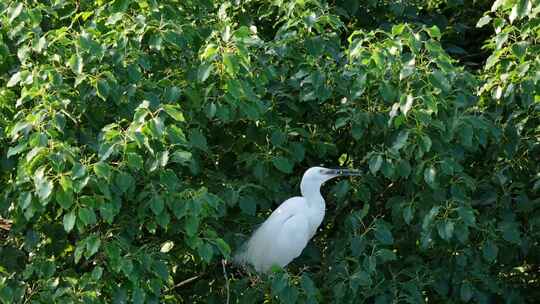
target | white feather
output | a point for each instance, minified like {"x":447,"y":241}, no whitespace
{"x":283,"y":236}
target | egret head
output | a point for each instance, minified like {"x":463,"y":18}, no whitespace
{"x":316,"y":176}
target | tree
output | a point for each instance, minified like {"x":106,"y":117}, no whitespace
{"x":142,"y":141}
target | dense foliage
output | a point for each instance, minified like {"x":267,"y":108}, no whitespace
{"x":142,"y":141}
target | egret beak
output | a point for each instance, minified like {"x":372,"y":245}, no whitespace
{"x":345,"y":172}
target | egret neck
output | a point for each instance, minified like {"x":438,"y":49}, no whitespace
{"x":311,"y":191}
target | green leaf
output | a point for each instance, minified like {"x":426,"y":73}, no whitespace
{"x":64,"y":198}
{"x":500,"y":40}
{"x":161,"y":269}
{"x":523,"y":8}
{"x":298,"y":151}
{"x":289,"y":295}
{"x":206,"y":252}
{"x":69,"y":221}
{"x":204,"y":71}
{"x":490,"y":251}
{"x":358,"y":245}
{"x":438,"y":80}
{"x":25,"y":199}
{"x":102,"y":170}
{"x":362,"y":278}
{"x":97,"y":272}
{"x":169,"y":179}
{"x":172,"y":94}
{"x":103,"y":89}
{"x":174,"y":112}
{"x":401,"y":140}
{"x":17,"y":149}
{"x":425,"y":143}
{"x":156,"y":127}
{"x":134,"y":161}
{"x":14,"y":12}
{"x":107,"y":211}
{"x":79,"y":250}
{"x":33,"y":153}
{"x":176,"y":135}
{"x":248,"y":205}
{"x":87,"y":216}
{"x":92,"y":245}
{"x":279,"y":283}
{"x":155,"y":42}
{"x":408,"y":214}
{"x":191,"y":225}
{"x":398,"y":29}
{"x":156,"y":204}
{"x":491,"y":61}
{"x":76,"y":64}
{"x":308,"y":286}
{"x":6,"y":294}
{"x":163,"y":219}
{"x":520,"y":10}
{"x":357,"y":131}
{"x":483,"y":21}
{"x":14,"y":80}
{"x":124,"y":181}
{"x":44,"y":187}
{"x":446,"y":229}
{"x":139,"y":296}
{"x":78,"y":171}
{"x":375,"y":163}
{"x":181,"y":157}
{"x":429,"y":176}
{"x":467,"y":215}
{"x":404,"y":107}
{"x":388,"y":92}
{"x":198,"y":140}
{"x":67,"y":183}
{"x":223,"y":247}
{"x":434,"y":32}
{"x":466,"y":292}
{"x":283,"y":164}
{"x":105,"y":151}
{"x":403,"y":168}
{"x":88,"y":44}
{"x":388,"y":169}
{"x":510,"y":232}
{"x":278,"y":138}
{"x":383,"y":234}
{"x":230,"y":64}
{"x":386,"y":255}
{"x":406,"y":71}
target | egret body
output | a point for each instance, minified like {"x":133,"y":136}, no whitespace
{"x":283,"y":236}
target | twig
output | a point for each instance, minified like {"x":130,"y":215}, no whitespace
{"x":226,"y":279}
{"x":5,"y":224}
{"x":184,"y":282}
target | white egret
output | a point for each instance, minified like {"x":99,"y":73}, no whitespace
{"x":283,"y":236}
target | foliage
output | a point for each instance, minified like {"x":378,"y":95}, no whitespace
{"x":143,"y":141}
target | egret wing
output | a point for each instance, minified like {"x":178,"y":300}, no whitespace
{"x":290,"y":242}
{"x":280,"y":239}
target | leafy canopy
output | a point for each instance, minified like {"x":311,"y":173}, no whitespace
{"x":142,"y":141}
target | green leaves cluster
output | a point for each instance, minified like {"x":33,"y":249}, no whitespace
{"x":142,"y":141}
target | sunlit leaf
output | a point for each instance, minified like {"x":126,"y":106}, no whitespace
{"x":69,"y":221}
